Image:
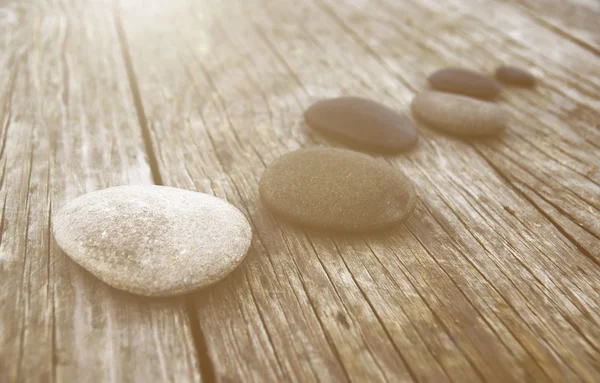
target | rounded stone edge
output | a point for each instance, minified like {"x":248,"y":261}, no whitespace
{"x":422,"y":97}
{"x":433,"y":81}
{"x":410,"y":205}
{"x":526,"y":78}
{"x":355,"y":143}
{"x":216,"y":278}
{"x":177,"y":291}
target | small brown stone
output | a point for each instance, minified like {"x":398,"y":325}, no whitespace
{"x":364,"y":122}
{"x":465,"y":82}
{"x":459,"y":114}
{"x":515,"y":76}
{"x":336,"y":189}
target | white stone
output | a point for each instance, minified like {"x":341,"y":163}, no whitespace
{"x":153,"y":240}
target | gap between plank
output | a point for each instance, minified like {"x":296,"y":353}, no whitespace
{"x":137,"y":100}
{"x":206,"y":367}
{"x":50,"y":292}
{"x":207,"y":370}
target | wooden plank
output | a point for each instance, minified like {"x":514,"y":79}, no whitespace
{"x":69,"y":126}
{"x":482,"y":283}
{"x":357,"y":22}
{"x":259,"y":320}
{"x":574,"y":20}
{"x":530,"y":164}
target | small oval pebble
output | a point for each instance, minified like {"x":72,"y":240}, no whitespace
{"x":465,"y":82}
{"x":364,"y":122}
{"x":153,"y":240}
{"x":459,"y":114}
{"x":336,"y":189}
{"x":515,"y":76}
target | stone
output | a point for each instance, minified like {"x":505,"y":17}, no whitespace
{"x":459,"y":114}
{"x":465,"y":82}
{"x":362,"y":122}
{"x":515,"y":76}
{"x":153,"y":240}
{"x":337,"y":189}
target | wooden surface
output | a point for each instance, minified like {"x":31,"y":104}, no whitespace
{"x":495,"y":277}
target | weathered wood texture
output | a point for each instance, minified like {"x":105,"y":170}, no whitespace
{"x":495,"y":277}
{"x":573,"y":20}
{"x":69,"y":127}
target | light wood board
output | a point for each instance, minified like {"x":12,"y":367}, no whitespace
{"x":495,"y":277}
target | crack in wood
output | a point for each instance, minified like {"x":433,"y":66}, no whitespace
{"x":545,"y":198}
{"x":270,"y":260}
{"x":261,"y":146}
{"x":492,"y":285}
{"x":137,"y":100}
{"x":559,"y":31}
{"x":412,"y":373}
{"x":207,"y":369}
{"x":206,"y":366}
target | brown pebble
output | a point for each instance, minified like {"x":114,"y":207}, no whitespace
{"x":465,"y":82}
{"x":364,"y":122}
{"x":336,"y":189}
{"x":459,"y":114}
{"x":515,"y":76}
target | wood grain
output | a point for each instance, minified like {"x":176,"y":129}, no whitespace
{"x":576,"y":21}
{"x":69,"y":127}
{"x":495,"y":277}
{"x":484,"y":282}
